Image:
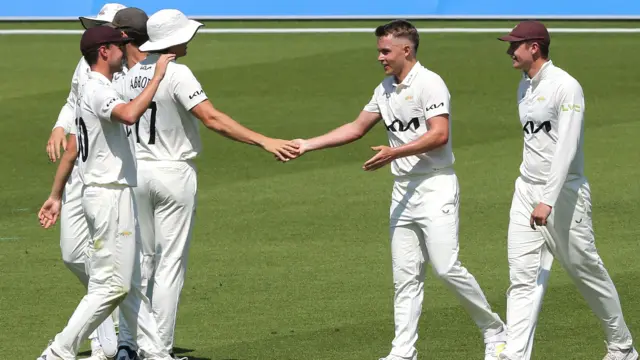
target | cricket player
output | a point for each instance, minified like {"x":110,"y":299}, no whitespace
{"x":107,"y":170}
{"x":551,"y":210}
{"x":74,"y":234}
{"x":414,"y":104}
{"x":167,"y":140}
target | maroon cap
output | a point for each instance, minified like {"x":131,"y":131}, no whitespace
{"x":97,"y":36}
{"x":528,"y":30}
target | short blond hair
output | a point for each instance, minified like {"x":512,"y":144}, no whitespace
{"x":400,"y":29}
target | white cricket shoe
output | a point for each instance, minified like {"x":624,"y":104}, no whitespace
{"x":631,"y":354}
{"x":494,"y":346}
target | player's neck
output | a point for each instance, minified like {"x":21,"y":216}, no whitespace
{"x":535,"y":67}
{"x":103,"y":68}
{"x":405,"y":70}
{"x":134,"y":56}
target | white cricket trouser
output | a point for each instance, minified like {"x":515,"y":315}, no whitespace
{"x":114,"y":277}
{"x":74,"y":234}
{"x":569,"y":237}
{"x":424,"y":228}
{"x":74,"y":246}
{"x":166,"y":196}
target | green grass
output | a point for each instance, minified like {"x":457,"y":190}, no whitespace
{"x":291,"y":261}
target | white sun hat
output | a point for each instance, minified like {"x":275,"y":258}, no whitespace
{"x":167,"y":28}
{"x":105,"y":15}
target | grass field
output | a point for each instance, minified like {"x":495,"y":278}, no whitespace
{"x":291,"y":261}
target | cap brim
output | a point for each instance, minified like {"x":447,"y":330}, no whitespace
{"x":89,"y":22}
{"x":182,"y":37}
{"x":510,"y":38}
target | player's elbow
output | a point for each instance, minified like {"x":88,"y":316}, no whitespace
{"x":128,"y":118}
{"x":125,"y":113}
{"x":214,"y":123}
{"x":357,"y":135}
{"x":71,"y":153}
{"x":357,"y":132}
{"x":441,"y":137}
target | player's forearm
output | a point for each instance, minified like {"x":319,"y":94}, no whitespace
{"x":427,"y":142}
{"x":224,"y":125}
{"x":133,"y":110}
{"x":343,"y":135}
{"x":62,"y":173}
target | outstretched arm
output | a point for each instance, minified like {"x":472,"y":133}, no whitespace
{"x":342,"y":135}
{"x":224,"y":125}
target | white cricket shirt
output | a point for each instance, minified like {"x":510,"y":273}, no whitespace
{"x":551,"y":107}
{"x":67,"y":120}
{"x":168,"y":130}
{"x":105,"y":155}
{"x":405,"y":108}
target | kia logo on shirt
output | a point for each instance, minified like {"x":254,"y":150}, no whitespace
{"x":434,"y":106}
{"x":199,"y":92}
{"x":530,"y":128}
{"x":415,"y":122}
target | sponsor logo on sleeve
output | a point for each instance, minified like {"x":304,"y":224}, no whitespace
{"x":434,"y":106}
{"x":570,"y":107}
{"x":196,"y":94}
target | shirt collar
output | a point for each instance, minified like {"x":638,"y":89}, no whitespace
{"x":125,"y":69}
{"x":410,"y":76}
{"x":544,"y":70}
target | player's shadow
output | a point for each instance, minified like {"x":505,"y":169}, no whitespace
{"x":182,"y":352}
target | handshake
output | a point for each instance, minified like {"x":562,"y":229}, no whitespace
{"x":285,"y":150}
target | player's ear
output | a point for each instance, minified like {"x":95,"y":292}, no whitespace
{"x":408,"y":49}
{"x":102,"y":50}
